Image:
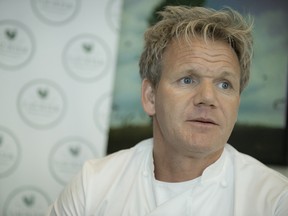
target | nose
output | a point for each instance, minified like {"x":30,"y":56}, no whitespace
{"x":205,"y":94}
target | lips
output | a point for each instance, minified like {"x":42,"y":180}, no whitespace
{"x":203,"y":121}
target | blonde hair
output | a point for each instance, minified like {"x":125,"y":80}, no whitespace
{"x":181,"y":21}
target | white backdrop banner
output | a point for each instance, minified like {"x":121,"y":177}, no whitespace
{"x":57,"y":67}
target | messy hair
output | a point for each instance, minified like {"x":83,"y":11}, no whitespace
{"x":181,"y":21}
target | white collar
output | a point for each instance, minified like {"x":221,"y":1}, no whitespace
{"x":216,"y":172}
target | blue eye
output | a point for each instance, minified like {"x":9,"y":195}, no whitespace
{"x":225,"y":85}
{"x":187,"y":80}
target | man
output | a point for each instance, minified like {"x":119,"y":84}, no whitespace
{"x":195,"y":64}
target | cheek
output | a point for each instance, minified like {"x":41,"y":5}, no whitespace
{"x":231,"y":112}
{"x":163,"y":107}
{"x":167,"y":108}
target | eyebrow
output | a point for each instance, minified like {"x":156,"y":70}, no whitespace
{"x":224,"y":73}
{"x":195,"y":69}
{"x":229,"y":74}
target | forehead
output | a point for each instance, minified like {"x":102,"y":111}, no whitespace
{"x":197,"y":50}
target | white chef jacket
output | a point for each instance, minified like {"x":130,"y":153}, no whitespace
{"x":123,"y":183}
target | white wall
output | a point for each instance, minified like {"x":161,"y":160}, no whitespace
{"x":57,"y":61}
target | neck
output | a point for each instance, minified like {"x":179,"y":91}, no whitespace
{"x":169,"y":166}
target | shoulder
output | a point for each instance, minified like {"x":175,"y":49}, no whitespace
{"x":105,"y":178}
{"x":253,"y":176}
{"x":254,"y":181}
{"x":247,"y":164}
{"x":119,"y":160}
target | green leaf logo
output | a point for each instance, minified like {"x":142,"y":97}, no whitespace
{"x":74,"y":150}
{"x":28,"y":201}
{"x":42,"y":93}
{"x":11,"y":34}
{"x":87,"y":47}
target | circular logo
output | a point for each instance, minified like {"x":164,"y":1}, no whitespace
{"x":16,"y":44}
{"x":68,"y":156}
{"x":9,"y":152}
{"x":102,"y":112}
{"x":41,"y":103}
{"x":86,"y":58}
{"x":26,"y":201}
{"x":55,"y":11}
{"x":113,"y":12}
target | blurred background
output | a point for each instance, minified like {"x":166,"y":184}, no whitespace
{"x":70,"y":89}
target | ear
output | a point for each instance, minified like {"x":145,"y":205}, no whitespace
{"x":148,"y":97}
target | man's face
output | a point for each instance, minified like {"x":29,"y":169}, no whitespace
{"x":195,"y":104}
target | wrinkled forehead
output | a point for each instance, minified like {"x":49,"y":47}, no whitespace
{"x":198,"y":45}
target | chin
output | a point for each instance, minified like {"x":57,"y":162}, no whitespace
{"x":204,"y":149}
